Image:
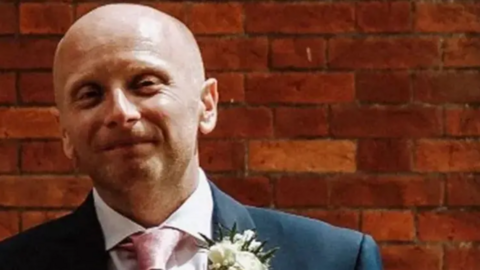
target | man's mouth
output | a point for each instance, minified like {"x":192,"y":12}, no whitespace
{"x":125,"y":145}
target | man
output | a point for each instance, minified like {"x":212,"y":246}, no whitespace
{"x":131,"y":95}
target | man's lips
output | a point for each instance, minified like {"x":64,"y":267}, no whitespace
{"x":124,"y":144}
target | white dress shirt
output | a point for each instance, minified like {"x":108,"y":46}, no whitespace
{"x":194,"y":216}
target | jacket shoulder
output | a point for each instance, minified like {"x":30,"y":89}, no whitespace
{"x":300,"y":237}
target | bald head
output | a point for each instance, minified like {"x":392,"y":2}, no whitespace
{"x":132,"y":98}
{"x":117,"y":28}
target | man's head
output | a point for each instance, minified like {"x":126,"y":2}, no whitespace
{"x":131,"y":94}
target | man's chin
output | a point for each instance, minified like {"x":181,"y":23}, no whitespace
{"x":134,"y":167}
{"x":126,"y":178}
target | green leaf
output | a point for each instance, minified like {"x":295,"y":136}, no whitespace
{"x":256,"y":251}
{"x":233,"y":231}
{"x":267,"y":256}
{"x":220,"y":233}
{"x":247,"y":244}
{"x":208,"y":240}
{"x":202,"y":246}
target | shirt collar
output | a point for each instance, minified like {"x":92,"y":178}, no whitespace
{"x":194,"y":216}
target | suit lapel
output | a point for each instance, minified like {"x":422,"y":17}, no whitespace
{"x":227,"y":212}
{"x":85,"y":248}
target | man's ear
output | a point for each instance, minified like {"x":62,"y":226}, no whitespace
{"x":68,"y":148}
{"x":209,"y":99}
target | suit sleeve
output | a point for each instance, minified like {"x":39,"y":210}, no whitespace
{"x":369,"y":257}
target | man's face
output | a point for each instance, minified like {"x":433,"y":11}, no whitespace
{"x":129,"y":109}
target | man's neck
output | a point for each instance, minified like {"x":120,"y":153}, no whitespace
{"x":150,"y":205}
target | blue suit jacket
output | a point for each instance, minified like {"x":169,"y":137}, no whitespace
{"x":75,"y":242}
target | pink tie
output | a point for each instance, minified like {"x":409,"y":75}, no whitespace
{"x":153,"y":247}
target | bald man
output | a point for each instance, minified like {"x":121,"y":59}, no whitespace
{"x":132,"y":97}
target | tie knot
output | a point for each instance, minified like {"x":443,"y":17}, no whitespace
{"x":153,"y":247}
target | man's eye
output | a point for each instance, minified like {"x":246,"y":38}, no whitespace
{"x":89,"y":92}
{"x":147,"y":81}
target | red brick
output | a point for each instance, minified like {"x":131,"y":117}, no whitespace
{"x":447,"y":87}
{"x":383,"y":16}
{"x":45,"y":157}
{"x":28,"y":123}
{"x":465,"y":257}
{"x":230,"y":86}
{"x":222,"y":155}
{"x":385,"y":191}
{"x":254,"y":191}
{"x":51,"y":1}
{"x":448,"y":226}
{"x":176,"y":10}
{"x":462,"y":121}
{"x":9,"y":222}
{"x":83,"y":8}
{"x":301,"y":192}
{"x":462,"y":52}
{"x":36,"y":87}
{"x":447,"y":156}
{"x":389,"y":225}
{"x":26,"y":53}
{"x":343,"y":218}
{"x":383,"y":87}
{"x":447,"y":17}
{"x":384,"y":155}
{"x":241,"y":122}
{"x":463,"y":190}
{"x":298,"y":122}
{"x":298,"y":53}
{"x":32,"y":219}
{"x":299,"y":18}
{"x":297,"y":88}
{"x":302,"y":156}
{"x":216,"y":18}
{"x":8,"y":18}
{"x":43,"y":191}
{"x":385,"y":121}
{"x":402,"y":257}
{"x":8,"y":92}
{"x":234,"y":53}
{"x":38,"y":18}
{"x":8,"y":156}
{"x":383,"y":52}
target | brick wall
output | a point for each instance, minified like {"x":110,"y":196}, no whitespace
{"x":360,"y":113}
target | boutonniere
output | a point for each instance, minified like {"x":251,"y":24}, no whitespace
{"x":237,"y":251}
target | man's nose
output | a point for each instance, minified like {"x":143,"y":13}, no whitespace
{"x":121,"y":112}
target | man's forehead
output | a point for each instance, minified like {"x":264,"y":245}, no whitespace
{"x":107,"y":37}
{"x":104,"y":33}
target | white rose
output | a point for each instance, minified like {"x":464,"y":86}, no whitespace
{"x":248,"y":235}
{"x":223,"y":254}
{"x":237,"y":237}
{"x":248,"y":261}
